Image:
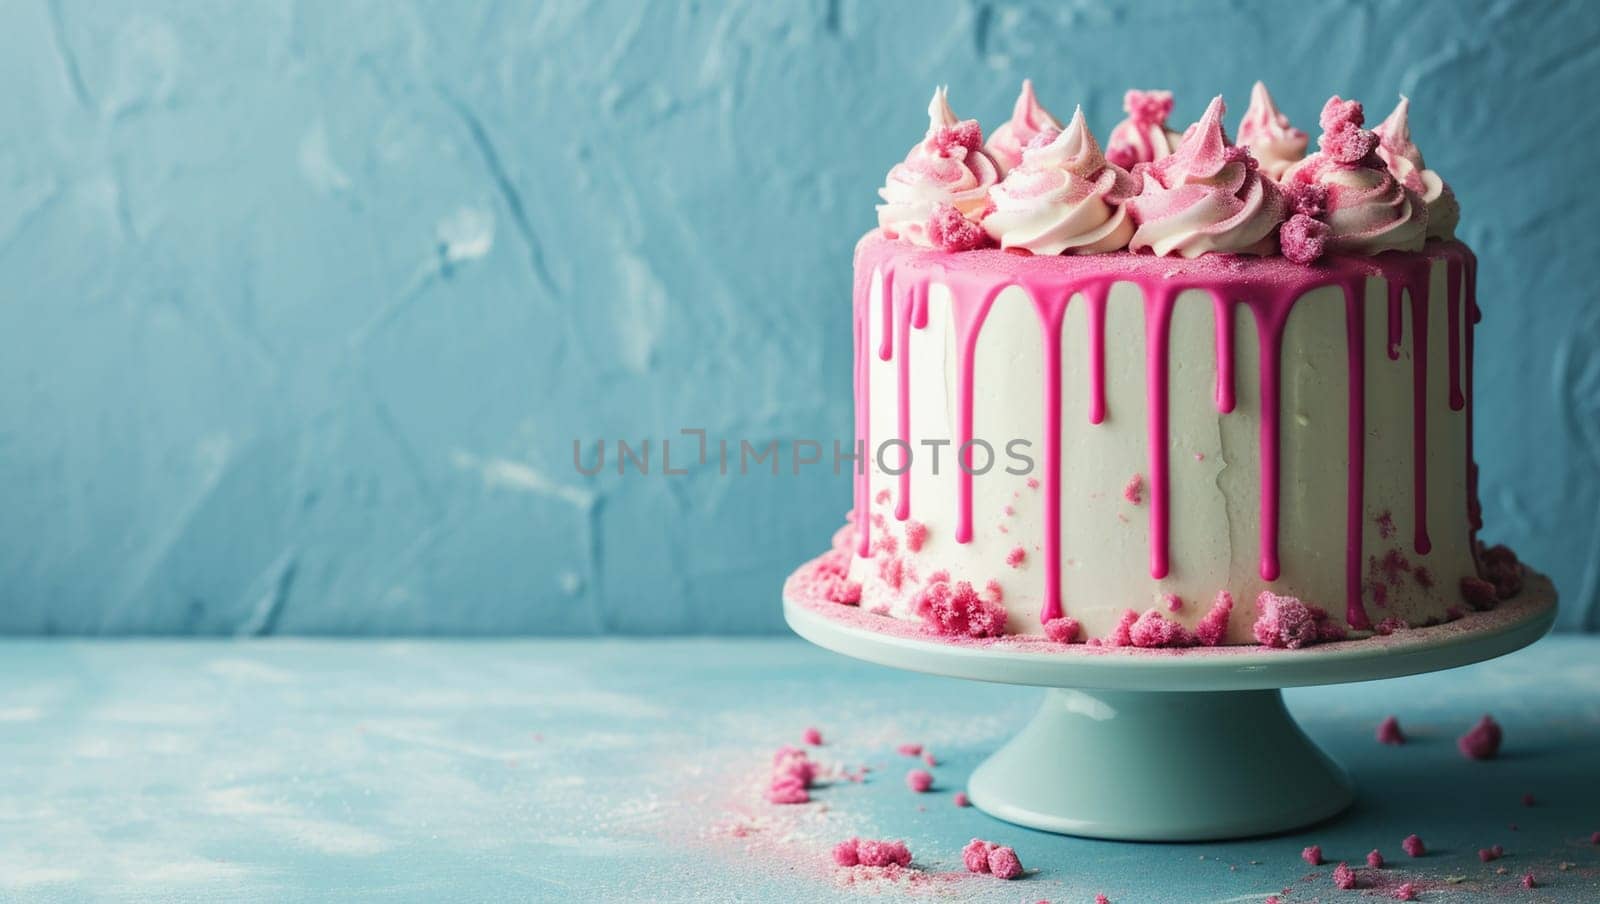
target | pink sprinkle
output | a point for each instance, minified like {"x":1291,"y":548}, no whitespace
{"x":916,"y":535}
{"x":909,"y":749}
{"x":1303,"y":239}
{"x":1062,"y":630}
{"x":961,"y":800}
{"x":1482,"y":742}
{"x":975,"y":856}
{"x":1529,"y":882}
{"x":1413,"y":846}
{"x":949,"y":230}
{"x":1003,"y":863}
{"x":1375,"y":859}
{"x":1033,"y":483}
{"x":927,"y":757}
{"x":919,"y":780}
{"x":1406,"y":892}
{"x":1213,"y":626}
{"x":845,"y":853}
{"x":813,"y":737}
{"x":1134,"y":491}
{"x":1527,"y":800}
{"x":1389,"y":731}
{"x":1174,"y":602}
{"x":1492,"y":853}
{"x":1015,"y":557}
{"x":1344,"y":876}
{"x":1312,"y":855}
{"x":883,"y":853}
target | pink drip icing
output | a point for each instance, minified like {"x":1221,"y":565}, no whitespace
{"x":885,"y":346}
{"x":1158,"y":321}
{"x":1270,"y":290}
{"x":1223,"y":312}
{"x":1474,"y":511}
{"x":1096,"y":298}
{"x":1418,"y":288}
{"x":1453,"y":324}
{"x":903,"y":304}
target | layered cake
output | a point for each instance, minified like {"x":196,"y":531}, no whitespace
{"x":1191,"y":389}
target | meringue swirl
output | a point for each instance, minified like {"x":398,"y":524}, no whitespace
{"x":1028,"y":119}
{"x":1206,"y":197}
{"x":1274,"y":143}
{"x":1064,"y":197}
{"x":1367,"y":209}
{"x":1405,"y":163}
{"x":1143,"y":137}
{"x":948,"y":166}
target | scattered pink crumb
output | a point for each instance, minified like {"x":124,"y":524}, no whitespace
{"x":1213,"y":626}
{"x":1199,"y":456}
{"x":916,"y":535}
{"x":960,"y":799}
{"x":1016,"y":556}
{"x":845,"y":852}
{"x":1491,"y":853}
{"x":1003,"y":863}
{"x":813,"y":737}
{"x":1389,"y":731}
{"x":1424,"y":578}
{"x":1033,"y":483}
{"x":1595,"y":838}
{"x":792,"y":773}
{"x":882,"y":853}
{"x":1344,"y":876}
{"x":1528,"y":881}
{"x":1413,"y":846}
{"x":975,"y":856}
{"x":882,"y":498}
{"x":1479,"y":594}
{"x":1406,"y":892}
{"x":909,"y":749}
{"x":1375,"y":859}
{"x":1500,"y":567}
{"x":1174,"y":602}
{"x":1312,"y":855}
{"x":1101,"y":899}
{"x":1134,"y":491}
{"x":1482,"y":742}
{"x":1009,"y":511}
{"x":919,"y":780}
{"x":1283,"y":621}
{"x":1527,"y":800}
{"x":1062,"y":630}
{"x":1386,"y":524}
{"x":1390,"y":625}
{"x":960,"y":611}
{"x":1272,"y":899}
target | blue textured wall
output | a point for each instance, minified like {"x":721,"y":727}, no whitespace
{"x":302,"y":303}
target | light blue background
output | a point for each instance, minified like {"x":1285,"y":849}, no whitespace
{"x":304,"y":303}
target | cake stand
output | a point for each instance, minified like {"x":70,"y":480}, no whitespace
{"x":1150,"y":745}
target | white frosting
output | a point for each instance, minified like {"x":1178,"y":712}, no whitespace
{"x":1063,"y":197}
{"x":1275,"y":143}
{"x":1028,"y":119}
{"x":1405,"y":163}
{"x":938,"y":170}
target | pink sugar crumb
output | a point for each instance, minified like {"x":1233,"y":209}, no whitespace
{"x":929,"y":758}
{"x":1016,"y":557}
{"x":845,"y":853}
{"x":1063,"y":630}
{"x":1413,"y":846}
{"x":1479,"y":594}
{"x":1527,"y":800}
{"x":919,"y":780}
{"x":960,"y":799}
{"x":1033,"y":483}
{"x":1152,"y":629}
{"x":1101,"y":899}
{"x":1213,"y":626}
{"x":1174,"y":602}
{"x":959,"y":611}
{"x":1375,"y":859}
{"x":916,"y":535}
{"x":882,"y":498}
{"x":1406,"y":892}
{"x":1303,"y":239}
{"x":975,"y":856}
{"x":1482,"y":742}
{"x":1386,"y":528}
{"x":813,"y":737}
{"x":1287,"y":623}
{"x":1003,"y":863}
{"x":1491,"y":853}
{"x":949,"y":230}
{"x":909,"y":750}
{"x":879,"y":853}
{"x":1390,"y":625}
{"x":1594,"y":838}
{"x":1500,"y":567}
{"x":1344,"y":876}
{"x":1134,"y":491}
{"x":1389,"y":731}
{"x":1312,"y":855}
{"x":1529,"y":882}
{"x":965,"y":134}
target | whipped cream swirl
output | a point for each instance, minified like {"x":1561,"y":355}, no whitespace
{"x":948,"y":166}
{"x":1366,"y":208}
{"x":1143,"y":137}
{"x":1206,"y":197}
{"x":1274,"y":143}
{"x":1028,"y":119}
{"x":1405,"y":163}
{"x":1063,"y":197}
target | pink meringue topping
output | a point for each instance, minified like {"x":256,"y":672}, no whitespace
{"x":1143,"y":137}
{"x":1064,"y":197}
{"x":1405,"y":163}
{"x":1207,"y":196}
{"x":948,"y":167}
{"x":1275,"y":144}
{"x":1028,"y":119}
{"x":1367,"y":209}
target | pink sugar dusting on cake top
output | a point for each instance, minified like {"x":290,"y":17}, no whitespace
{"x":960,"y":799}
{"x":1312,"y":855}
{"x":1004,"y":864}
{"x":812,"y":736}
{"x":1287,"y":623}
{"x":1389,"y":731}
{"x":1413,"y":846}
{"x":1063,"y":630}
{"x":1344,"y":876}
{"x":959,"y":611}
{"x":1375,"y":859}
{"x":916,"y":535}
{"x":1134,"y":491}
{"x":1016,"y":556}
{"x":1491,"y":853}
{"x":1406,"y":892}
{"x":919,"y":780}
{"x":1482,"y":742}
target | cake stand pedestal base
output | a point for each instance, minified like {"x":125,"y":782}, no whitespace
{"x":1151,"y":766}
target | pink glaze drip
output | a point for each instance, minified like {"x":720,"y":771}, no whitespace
{"x":904,"y":304}
{"x":1453,"y":325}
{"x":1158,"y":322}
{"x":1223,"y":312}
{"x":1270,"y":290}
{"x":885,"y":341}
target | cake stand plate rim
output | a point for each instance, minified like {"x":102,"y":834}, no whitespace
{"x":1516,"y":623}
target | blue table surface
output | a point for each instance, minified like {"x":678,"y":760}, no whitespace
{"x":632,"y":770}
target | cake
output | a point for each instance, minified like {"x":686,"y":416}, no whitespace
{"x":1180,"y":392}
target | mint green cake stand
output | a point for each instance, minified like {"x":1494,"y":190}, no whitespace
{"x":1172,"y":746}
